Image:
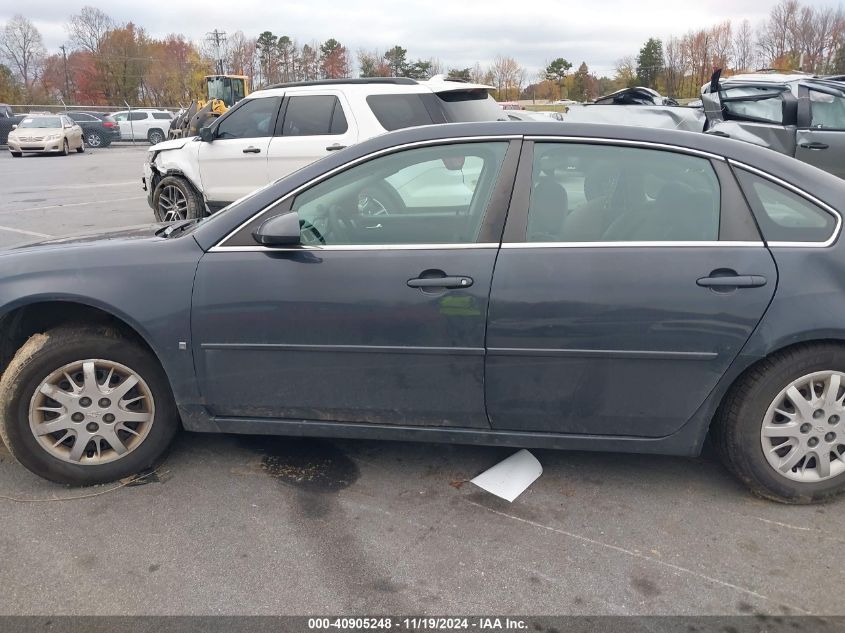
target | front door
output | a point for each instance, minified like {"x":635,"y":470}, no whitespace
{"x":379,"y":317}
{"x":234,"y":163}
{"x":624,"y":293}
{"x":821,"y":133}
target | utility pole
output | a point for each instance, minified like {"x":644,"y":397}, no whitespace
{"x":217,"y":38}
{"x":67,"y":82}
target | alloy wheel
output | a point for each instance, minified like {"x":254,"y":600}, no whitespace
{"x":803,"y":432}
{"x":173,"y":204}
{"x":94,"y":140}
{"x":91,"y":412}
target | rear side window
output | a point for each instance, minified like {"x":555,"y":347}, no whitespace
{"x":161,"y":115}
{"x":827,"y":111}
{"x":785,"y":216}
{"x":751,"y":103}
{"x":395,"y":112}
{"x":79,"y":116}
{"x":468,"y":106}
{"x":137,"y":116}
{"x":314,"y":115}
{"x":604,"y":193}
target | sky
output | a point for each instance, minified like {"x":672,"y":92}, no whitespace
{"x":458,"y":32}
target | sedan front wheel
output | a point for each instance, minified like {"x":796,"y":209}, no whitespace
{"x":85,"y":406}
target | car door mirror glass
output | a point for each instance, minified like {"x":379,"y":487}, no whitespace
{"x":280,"y":230}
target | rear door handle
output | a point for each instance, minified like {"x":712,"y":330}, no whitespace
{"x":814,"y":145}
{"x":335,"y":147}
{"x":440,"y":282}
{"x":732,"y":281}
{"x":252,"y":150}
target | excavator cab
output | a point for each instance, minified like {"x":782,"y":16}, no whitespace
{"x":227,"y":88}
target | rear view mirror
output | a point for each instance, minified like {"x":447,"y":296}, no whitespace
{"x":280,"y":230}
{"x":207,"y":134}
{"x":454,"y":163}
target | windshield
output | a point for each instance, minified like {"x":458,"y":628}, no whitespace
{"x":41,"y":122}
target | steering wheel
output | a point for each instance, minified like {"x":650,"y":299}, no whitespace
{"x":310,"y":234}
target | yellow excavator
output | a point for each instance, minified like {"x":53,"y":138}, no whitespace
{"x":221,"y":93}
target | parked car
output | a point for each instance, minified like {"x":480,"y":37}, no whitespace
{"x":7,"y":120}
{"x":274,"y":132}
{"x":143,"y":124}
{"x":636,"y":96}
{"x":98,"y":129}
{"x":524,"y":115}
{"x":45,"y":134}
{"x":798,"y":115}
{"x":668,"y":285}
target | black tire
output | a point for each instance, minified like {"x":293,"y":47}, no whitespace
{"x":95,"y":139}
{"x":65,"y":148}
{"x":17,"y":154}
{"x":156,"y":136}
{"x":195,"y":205}
{"x":738,"y":423}
{"x":81,"y":148}
{"x":45,"y":353}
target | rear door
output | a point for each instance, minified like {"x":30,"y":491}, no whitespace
{"x":627,"y":283}
{"x":309,"y":128}
{"x":820,"y":139}
{"x":234,"y":163}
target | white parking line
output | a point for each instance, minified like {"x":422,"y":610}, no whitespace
{"x":22,"y":232}
{"x":72,"y":204}
{"x":88,"y":186}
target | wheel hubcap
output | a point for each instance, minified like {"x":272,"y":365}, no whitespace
{"x":94,"y":140}
{"x":803,"y":436}
{"x":173,"y":204}
{"x":91,"y":412}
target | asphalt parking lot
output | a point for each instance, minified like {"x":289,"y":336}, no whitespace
{"x":234,"y":525}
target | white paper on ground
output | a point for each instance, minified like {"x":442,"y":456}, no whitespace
{"x":510,"y":477}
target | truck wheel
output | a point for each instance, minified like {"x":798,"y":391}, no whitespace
{"x":155,"y":136}
{"x":175,"y":199}
{"x":86,"y":405}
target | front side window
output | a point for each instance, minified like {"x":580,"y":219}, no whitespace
{"x":431,"y":195}
{"x":314,"y":115}
{"x":827,"y":111}
{"x":605,"y":193}
{"x":785,"y":216}
{"x":254,"y":119}
{"x":751,"y":103}
{"x":120,"y":116}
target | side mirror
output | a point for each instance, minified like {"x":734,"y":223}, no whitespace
{"x":206,"y":134}
{"x":14,"y":127}
{"x":280,"y":230}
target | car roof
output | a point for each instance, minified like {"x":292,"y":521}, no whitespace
{"x":371,"y":85}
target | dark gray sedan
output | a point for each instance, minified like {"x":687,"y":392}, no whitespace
{"x":520,"y":284}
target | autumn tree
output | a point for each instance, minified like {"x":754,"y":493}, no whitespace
{"x":584,"y":85}
{"x":372,"y":64}
{"x":743,"y":46}
{"x":334,"y":60}
{"x":88,"y":28}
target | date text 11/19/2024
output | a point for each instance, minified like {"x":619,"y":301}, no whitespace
{"x":417,"y":623}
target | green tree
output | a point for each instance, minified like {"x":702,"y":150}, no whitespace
{"x":650,"y":62}
{"x":556,"y":71}
{"x":334,"y":59}
{"x":582,"y":84}
{"x":464,"y":74}
{"x":396,"y":59}
{"x":419,"y":69}
{"x":266,"y":45}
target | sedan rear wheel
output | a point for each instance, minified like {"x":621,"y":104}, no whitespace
{"x":93,"y":139}
{"x":781,"y":429}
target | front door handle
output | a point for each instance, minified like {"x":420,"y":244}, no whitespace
{"x":335,"y":147}
{"x":252,"y":150}
{"x":440,"y":282}
{"x":732,"y":281}
{"x":814,"y":145}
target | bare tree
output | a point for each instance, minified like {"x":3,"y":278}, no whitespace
{"x":776,"y":37}
{"x":721,"y":45}
{"x":744,"y":53}
{"x":88,"y":28}
{"x":21,"y":45}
